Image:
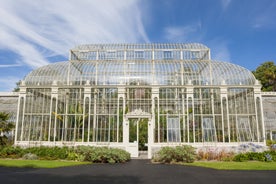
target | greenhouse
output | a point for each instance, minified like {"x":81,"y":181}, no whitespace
{"x":139,"y":97}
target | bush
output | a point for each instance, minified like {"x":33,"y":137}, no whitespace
{"x":11,"y":152}
{"x":270,"y":142}
{"x":266,"y":156}
{"x":219,"y":155}
{"x":49,"y":153}
{"x":106,"y":155}
{"x":178,"y":154}
{"x":100,"y":154}
{"x":81,"y":153}
{"x":30,"y":156}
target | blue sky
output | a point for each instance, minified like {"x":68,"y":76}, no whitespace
{"x":40,"y":32}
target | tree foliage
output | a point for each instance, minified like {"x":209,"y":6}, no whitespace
{"x":5,"y":127}
{"x":266,"y":74}
{"x":16,"y":89}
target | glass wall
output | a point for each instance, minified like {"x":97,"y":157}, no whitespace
{"x":186,"y":96}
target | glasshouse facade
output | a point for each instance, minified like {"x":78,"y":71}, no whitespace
{"x":139,"y":97}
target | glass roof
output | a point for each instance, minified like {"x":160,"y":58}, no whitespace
{"x":143,"y":72}
{"x":157,"y":51}
{"x":143,"y":46}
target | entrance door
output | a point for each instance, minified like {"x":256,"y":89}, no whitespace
{"x":138,"y":135}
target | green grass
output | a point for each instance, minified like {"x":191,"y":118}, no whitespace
{"x":39,"y":163}
{"x":236,"y":165}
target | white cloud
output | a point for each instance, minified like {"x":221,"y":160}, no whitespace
{"x":35,"y":30}
{"x":225,"y":4}
{"x":181,"y":33}
{"x":9,"y":66}
{"x":8,"y":83}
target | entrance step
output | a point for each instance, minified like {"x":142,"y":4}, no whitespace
{"x":143,"y":155}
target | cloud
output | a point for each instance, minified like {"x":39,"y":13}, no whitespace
{"x":265,"y":20}
{"x":8,"y":83}
{"x":8,"y":66}
{"x":181,"y":33}
{"x":37,"y":30}
{"x":225,"y":4}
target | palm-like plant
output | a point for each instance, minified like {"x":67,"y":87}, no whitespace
{"x":5,"y":127}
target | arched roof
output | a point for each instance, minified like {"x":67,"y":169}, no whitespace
{"x":164,"y":72}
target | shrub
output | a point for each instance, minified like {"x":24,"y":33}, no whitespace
{"x":270,"y":142}
{"x":178,"y":154}
{"x":81,"y":153}
{"x":30,"y":156}
{"x":100,"y":154}
{"x":266,"y":156}
{"x":215,"y":154}
{"x":11,"y":152}
{"x":49,"y":153}
{"x":109,"y":155}
{"x":273,"y":147}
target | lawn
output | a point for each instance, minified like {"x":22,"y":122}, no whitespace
{"x":39,"y":163}
{"x":236,"y":165}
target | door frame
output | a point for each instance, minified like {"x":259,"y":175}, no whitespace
{"x":133,"y":148}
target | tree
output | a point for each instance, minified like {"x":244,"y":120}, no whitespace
{"x":266,"y":74}
{"x":5,"y":127}
{"x":16,"y":89}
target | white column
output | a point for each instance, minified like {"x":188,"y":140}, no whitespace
{"x":121,"y":94}
{"x":223,"y":95}
{"x":190,"y":94}
{"x":150,"y":136}
{"x":87,"y":94}
{"x":54,"y":95}
{"x":257,"y":92}
{"x":22,"y":95}
{"x":151,"y":123}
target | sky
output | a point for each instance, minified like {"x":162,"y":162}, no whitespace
{"x":41,"y":32}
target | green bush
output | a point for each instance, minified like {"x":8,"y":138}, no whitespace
{"x":11,"y":152}
{"x":108,"y":155}
{"x":81,"y":153}
{"x":266,"y":156}
{"x":175,"y":154}
{"x":270,"y":142}
{"x":99,"y":154}
{"x":49,"y":153}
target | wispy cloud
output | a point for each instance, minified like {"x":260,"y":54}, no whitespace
{"x":225,"y":4}
{"x":9,"y":83}
{"x":266,"y":18}
{"x":181,"y":33}
{"x":9,"y":66}
{"x":36,"y":30}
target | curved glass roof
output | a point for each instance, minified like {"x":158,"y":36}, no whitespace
{"x":144,"y":72}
